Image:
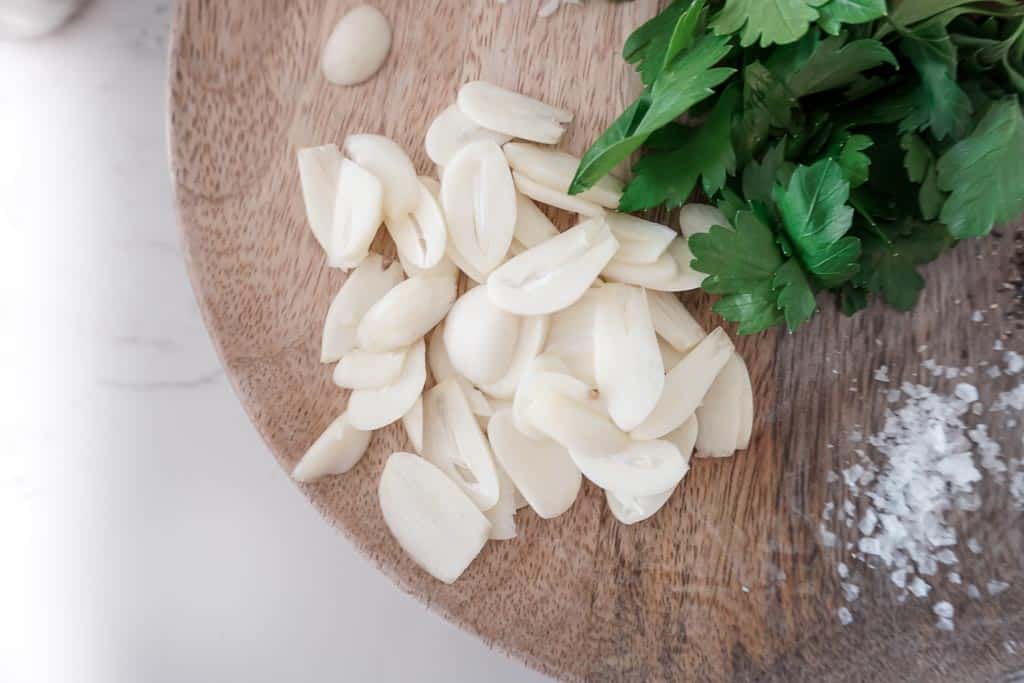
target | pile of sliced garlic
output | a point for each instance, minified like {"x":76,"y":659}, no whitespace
{"x":568,"y":356}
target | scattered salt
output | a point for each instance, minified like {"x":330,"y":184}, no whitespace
{"x":850,"y":591}
{"x":977,"y":317}
{"x":974,"y":545}
{"x":995,"y":587}
{"x":998,"y":346}
{"x":973,"y":592}
{"x":943,"y":609}
{"x":845,"y":618}
{"x":1014,"y":362}
{"x":955,"y":578}
{"x":842,"y":570}
{"x":919,"y":588}
{"x":882,"y":374}
{"x":945,"y":624}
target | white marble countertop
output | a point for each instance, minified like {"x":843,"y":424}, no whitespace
{"x":130,"y":478}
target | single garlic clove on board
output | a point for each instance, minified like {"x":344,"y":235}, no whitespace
{"x":673,"y":322}
{"x":406,"y":313}
{"x":640,"y":241}
{"x":525,"y":391}
{"x":698,"y":218}
{"x":357,"y":47}
{"x":441,"y":369}
{"x":336,"y":451}
{"x":375,"y":408}
{"x":541,"y":193}
{"x":571,"y":336}
{"x":640,"y":468}
{"x":532,"y":226}
{"x":452,"y":130}
{"x":420,"y":236}
{"x":722,"y":413}
{"x":632,"y":509}
{"x":359,"y":369}
{"x":480,"y":337}
{"x":533,"y":331}
{"x":364,"y":286}
{"x":573,"y":424}
{"x":385,"y":159}
{"x":509,"y":112}
{"x":357,"y":215}
{"x":555,"y":169}
{"x":318,"y":174}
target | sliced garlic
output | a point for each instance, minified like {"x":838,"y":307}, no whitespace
{"x":673,"y":322}
{"x":640,"y":241}
{"x":479,"y":202}
{"x":420,"y":236}
{"x":533,"y":331}
{"x":503,"y":515}
{"x":632,"y":509}
{"x":686,"y":384}
{"x":357,"y":215}
{"x":542,"y":471}
{"x":359,"y":369}
{"x":627,"y":361}
{"x":573,"y":424}
{"x":532,"y":226}
{"x":525,"y":391}
{"x":442,"y":369}
{"x":520,"y":501}
{"x":336,"y":451}
{"x":406,"y":313}
{"x":555,"y":170}
{"x":638,"y":468}
{"x":560,"y":200}
{"x":480,"y":337}
{"x":412,"y":422}
{"x":375,"y":408}
{"x":318,"y":173}
{"x":361,"y":290}
{"x":746,"y":410}
{"x":554,"y":274}
{"x":444,"y":268}
{"x":720,"y":411}
{"x":453,"y":441}
{"x":571,"y":336}
{"x":385,"y":159}
{"x":670,"y":273}
{"x":685,"y":437}
{"x":451,"y":131}
{"x":431,"y":518}
{"x":698,"y":218}
{"x":509,"y":112}
{"x":357,"y":47}
{"x":669,"y":356}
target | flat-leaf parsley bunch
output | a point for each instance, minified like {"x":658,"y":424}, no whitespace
{"x":847,"y":141}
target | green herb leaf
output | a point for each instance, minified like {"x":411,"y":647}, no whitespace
{"x":940,"y":104}
{"x":755,"y":309}
{"x":889,"y":266}
{"x":852,"y":299}
{"x":770,"y":21}
{"x":920,"y":165}
{"x":655,"y":44}
{"x":848,"y":152}
{"x":761,"y":177}
{"x":834,"y":63}
{"x":796,"y":296}
{"x":837,"y":12}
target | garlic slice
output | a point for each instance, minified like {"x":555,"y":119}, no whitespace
{"x":525,"y":391}
{"x":746,"y":410}
{"x":509,"y":112}
{"x":420,"y":236}
{"x":406,"y":313}
{"x":361,"y":290}
{"x":452,"y":130}
{"x":573,"y":423}
{"x":503,"y":515}
{"x":480,"y":337}
{"x":555,"y":169}
{"x":385,"y":159}
{"x":673,"y":322}
{"x":318,"y":174}
{"x":670,"y":273}
{"x":627,"y":361}
{"x":359,"y":369}
{"x":698,"y":218}
{"x":554,"y":274}
{"x":520,"y":501}
{"x":571,"y":336}
{"x":433,"y":521}
{"x":669,"y":356}
{"x":640,"y":241}
{"x":542,"y":471}
{"x":639,"y":468}
{"x":685,"y":437}
{"x":357,"y":47}
{"x":375,"y":408}
{"x":543,"y":194}
{"x":442,"y":369}
{"x":479,"y":203}
{"x":686,"y":384}
{"x":336,"y":451}
{"x":532,"y":226}
{"x":632,"y":509}
{"x":720,"y":412}
{"x":357,"y":215}
{"x":453,"y":441}
{"x":533,"y":331}
{"x":412,"y":422}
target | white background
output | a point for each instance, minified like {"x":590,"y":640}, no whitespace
{"x":146,"y":534}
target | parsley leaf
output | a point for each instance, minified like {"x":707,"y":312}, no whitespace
{"x":771,"y":21}
{"x":940,"y":104}
{"x":848,"y":151}
{"x":837,"y":12}
{"x":834,"y":63}
{"x":796,"y":296}
{"x":920,"y":165}
{"x":760,"y":177}
{"x":656,"y":43}
{"x":889,"y":267}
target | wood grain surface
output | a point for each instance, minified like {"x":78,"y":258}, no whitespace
{"x":729,"y":581}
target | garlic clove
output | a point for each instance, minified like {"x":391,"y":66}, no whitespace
{"x":454,"y":442}
{"x":627,"y":361}
{"x":357,"y":47}
{"x":640,"y":241}
{"x":647,"y":275}
{"x":412,"y":422}
{"x":555,"y":169}
{"x":520,"y":501}
{"x":336,"y":451}
{"x":441,"y":369}
{"x":669,"y":356}
{"x":357,"y":215}
{"x":573,"y":423}
{"x":542,"y":471}
{"x":543,"y":194}
{"x":480,"y":337}
{"x":686,"y":277}
{"x":503,"y":515}
{"x":452,"y":130}
{"x":420,"y":236}
{"x":746,"y":409}
{"x":632,"y":509}
{"x":479,"y":201}
{"x":406,"y":313}
{"x":509,"y":112}
{"x":638,"y":468}
{"x":571,"y":336}
{"x":318,"y":174}
{"x":532,"y":226}
{"x":385,"y":159}
{"x":720,"y":412}
{"x":698,"y":218}
{"x":361,"y":290}
{"x":685,"y":437}
{"x":525,"y":391}
{"x":686,"y":384}
{"x":554,"y":274}
{"x":375,"y":408}
{"x":359,"y":369}
{"x":533,"y":331}
{"x":433,"y":521}
{"x":673,"y":322}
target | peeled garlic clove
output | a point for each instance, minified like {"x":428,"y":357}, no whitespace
{"x":520,"y":501}
{"x":686,"y":384}
{"x":560,"y":200}
{"x":640,"y":241}
{"x":627,"y":360}
{"x":503,"y":515}
{"x":462,"y":263}
{"x":385,"y":159}
{"x":318,"y":173}
{"x":412,"y":422}
{"x":453,"y":441}
{"x":542,"y":471}
{"x":359,"y":369}
{"x":444,"y":268}
{"x":670,"y":273}
{"x":720,"y":412}
{"x":554,"y":274}
{"x":406,"y":313}
{"x":451,"y":131}
{"x":574,"y":425}
{"x":533,"y":331}
{"x":746,"y":410}
{"x":571,"y":336}
{"x":509,"y":112}
{"x":420,"y":236}
{"x":357,"y":215}
{"x":362,"y":289}
{"x":532,"y":226}
{"x":673,"y":322}
{"x":442,"y":369}
{"x":375,"y":408}
{"x":638,"y":468}
{"x":480,"y":337}
{"x":525,"y":391}
{"x":669,"y":356}
{"x":632,"y":509}
{"x":685,"y":437}
{"x":698,"y":218}
{"x":336,"y":451}
{"x":357,"y":47}
{"x":431,"y":518}
{"x":479,"y":202}
{"x":686,"y":277}
{"x":555,"y":170}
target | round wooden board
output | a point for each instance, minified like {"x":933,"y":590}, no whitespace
{"x":729,"y":581}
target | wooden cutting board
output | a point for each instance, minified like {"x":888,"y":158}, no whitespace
{"x":729,"y":581}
